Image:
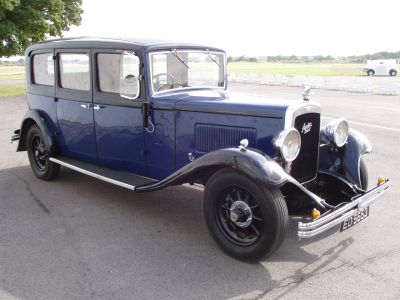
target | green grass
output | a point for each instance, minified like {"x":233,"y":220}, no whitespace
{"x":291,"y":69}
{"x":12,"y":89}
{"x":12,"y":73}
{"x":12,"y":77}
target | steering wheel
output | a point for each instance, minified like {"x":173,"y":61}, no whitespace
{"x":162,"y":83}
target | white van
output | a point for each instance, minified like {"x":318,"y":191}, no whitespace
{"x":381,"y":67}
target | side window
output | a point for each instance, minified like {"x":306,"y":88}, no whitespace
{"x":43,"y":69}
{"x":74,"y":71}
{"x":119,"y":74}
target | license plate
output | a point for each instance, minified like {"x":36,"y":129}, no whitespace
{"x":354,"y":219}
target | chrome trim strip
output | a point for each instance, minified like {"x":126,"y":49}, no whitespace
{"x":300,"y":108}
{"x":128,"y":186}
{"x":307,"y":230}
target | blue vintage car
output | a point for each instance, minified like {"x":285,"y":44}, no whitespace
{"x":147,"y":114}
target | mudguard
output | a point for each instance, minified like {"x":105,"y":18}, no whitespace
{"x":37,"y":116}
{"x":252,"y":162}
{"x":357,"y":145}
{"x":346,"y":160}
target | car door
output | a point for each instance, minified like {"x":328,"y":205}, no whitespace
{"x":118,"y":111}
{"x":76,"y":134}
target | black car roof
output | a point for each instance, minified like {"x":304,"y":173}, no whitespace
{"x":118,"y":42}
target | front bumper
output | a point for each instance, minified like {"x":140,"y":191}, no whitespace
{"x":342,"y":212}
{"x":15,"y":137}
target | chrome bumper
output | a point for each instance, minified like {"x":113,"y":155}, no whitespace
{"x":342,"y":212}
{"x":15,"y":137}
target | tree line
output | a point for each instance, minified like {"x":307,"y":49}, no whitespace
{"x":354,"y":58}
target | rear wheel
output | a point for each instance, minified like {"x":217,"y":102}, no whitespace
{"x":363,"y":175}
{"x":393,"y":72}
{"x":41,"y":165}
{"x":247,"y":221}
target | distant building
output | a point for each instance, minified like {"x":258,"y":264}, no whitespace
{"x":262,"y":57}
{"x":307,"y":57}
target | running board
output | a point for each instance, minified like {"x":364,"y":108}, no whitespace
{"x":126,"y":180}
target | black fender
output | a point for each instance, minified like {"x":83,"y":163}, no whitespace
{"x":254,"y":163}
{"x":345,"y":160}
{"x":38,"y":117}
{"x":357,"y":145}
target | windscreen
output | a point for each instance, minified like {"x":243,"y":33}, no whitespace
{"x":187,"y":69}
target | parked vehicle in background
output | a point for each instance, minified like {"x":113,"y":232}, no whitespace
{"x":381,"y":67}
{"x":145,"y":115}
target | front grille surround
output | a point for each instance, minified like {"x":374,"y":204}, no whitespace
{"x":304,"y":168}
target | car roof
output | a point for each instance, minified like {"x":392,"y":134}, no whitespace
{"x":146,"y":44}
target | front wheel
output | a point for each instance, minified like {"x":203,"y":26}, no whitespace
{"x":363,"y":175}
{"x":41,"y":165}
{"x":393,"y":72}
{"x":247,"y":221}
{"x":370,"y":72}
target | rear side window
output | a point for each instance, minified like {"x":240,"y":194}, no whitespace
{"x":43,"y":69}
{"x":74,"y":71}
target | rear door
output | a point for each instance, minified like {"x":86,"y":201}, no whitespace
{"x":75,"y":108}
{"x":117,"y":100}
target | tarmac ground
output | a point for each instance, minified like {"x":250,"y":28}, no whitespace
{"x":77,"y":237}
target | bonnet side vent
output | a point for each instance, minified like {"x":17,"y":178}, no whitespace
{"x":212,"y":137}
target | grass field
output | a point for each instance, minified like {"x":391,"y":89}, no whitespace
{"x":12,"y":73}
{"x":12,"y":89}
{"x":291,"y":69}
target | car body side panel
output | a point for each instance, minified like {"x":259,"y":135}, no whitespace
{"x":222,"y":125}
{"x":48,"y":105}
{"x":160,"y":144}
{"x":120,"y":139}
{"x":77,"y":136}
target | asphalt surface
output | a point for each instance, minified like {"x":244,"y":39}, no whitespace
{"x":80,"y":238}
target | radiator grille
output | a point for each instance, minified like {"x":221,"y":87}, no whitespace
{"x":211,"y":137}
{"x":305,"y":166}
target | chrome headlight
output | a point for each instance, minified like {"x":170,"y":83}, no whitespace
{"x":337,"y":132}
{"x":287,"y":143}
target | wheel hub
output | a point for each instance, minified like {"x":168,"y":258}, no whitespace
{"x":240,"y":214}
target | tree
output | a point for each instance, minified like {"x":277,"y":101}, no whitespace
{"x":329,"y":57}
{"x":253,"y":59}
{"x":23,"y":22}
{"x":242,"y":58}
{"x":231,"y":59}
{"x":294,"y":57}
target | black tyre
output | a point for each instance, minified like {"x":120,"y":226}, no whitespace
{"x":41,"y":165}
{"x":370,"y":72}
{"x":393,"y":72}
{"x":363,"y":175}
{"x":247,"y":221}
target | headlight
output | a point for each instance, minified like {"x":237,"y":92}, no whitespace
{"x":337,"y":131}
{"x":287,"y":143}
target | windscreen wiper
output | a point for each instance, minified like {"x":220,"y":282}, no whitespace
{"x":177,"y":55}
{"x":209,"y":54}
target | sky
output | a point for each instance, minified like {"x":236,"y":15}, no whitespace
{"x":252,"y":28}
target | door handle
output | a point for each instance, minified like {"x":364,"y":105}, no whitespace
{"x":97,"y":107}
{"x":86,"y":106}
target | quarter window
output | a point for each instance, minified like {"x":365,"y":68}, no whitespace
{"x":43,"y":69}
{"x":74,"y":71}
